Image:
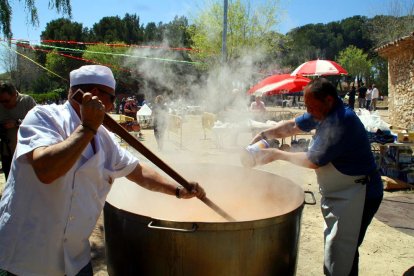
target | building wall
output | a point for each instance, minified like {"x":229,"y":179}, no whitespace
{"x":400,"y":57}
{"x":401,"y":86}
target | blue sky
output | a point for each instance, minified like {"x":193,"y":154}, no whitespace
{"x":296,"y":12}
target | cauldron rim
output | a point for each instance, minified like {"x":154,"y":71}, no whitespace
{"x":206,"y":225}
{"x":285,"y":195}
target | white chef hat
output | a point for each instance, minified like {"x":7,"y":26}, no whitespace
{"x":92,"y":74}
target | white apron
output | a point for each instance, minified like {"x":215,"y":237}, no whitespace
{"x":342,"y":206}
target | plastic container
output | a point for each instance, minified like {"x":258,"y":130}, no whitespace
{"x":248,"y":154}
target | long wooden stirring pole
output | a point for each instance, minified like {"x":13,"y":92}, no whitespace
{"x":116,"y":128}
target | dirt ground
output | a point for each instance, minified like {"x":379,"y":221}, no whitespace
{"x":387,"y":250}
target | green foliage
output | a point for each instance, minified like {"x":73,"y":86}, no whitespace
{"x":114,"y":57}
{"x":58,"y":60}
{"x":365,"y":69}
{"x":380,"y":74}
{"x":152,"y":33}
{"x":176,"y":32}
{"x":355,"y":32}
{"x":113,"y":28}
{"x":56,"y":63}
{"x":325,"y":41}
{"x":107,"y":55}
{"x":386,"y":29}
{"x":109,"y":29}
{"x":247,"y":28}
{"x":356,"y":62}
{"x":44,"y":83}
{"x":63,"y":29}
{"x":134,"y":32}
{"x":5,"y":18}
{"x":61,"y":6}
{"x":45,"y":97}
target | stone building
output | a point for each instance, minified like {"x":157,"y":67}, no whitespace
{"x":400,"y":56}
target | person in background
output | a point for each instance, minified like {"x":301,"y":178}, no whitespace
{"x":362,"y":92}
{"x":13,"y":108}
{"x":130,"y":108}
{"x":258,"y":108}
{"x":160,"y":117}
{"x":375,"y":96}
{"x":348,"y":179}
{"x":121,"y":106}
{"x":352,"y":93}
{"x":368,"y":98}
{"x":63,"y":168}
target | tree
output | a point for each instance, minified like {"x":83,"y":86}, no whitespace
{"x":248,"y":28}
{"x":385,"y":29}
{"x":63,"y":29}
{"x":176,"y":32}
{"x":57,"y":56}
{"x":134,"y":32}
{"x":380,"y":74}
{"x":106,"y":55}
{"x":356,"y":62}
{"x":304,"y":43}
{"x":153,"y":33}
{"x":355,"y":32}
{"x":61,"y":6}
{"x":113,"y":57}
{"x":58,"y":65}
{"x":113,"y":28}
{"x":398,"y":22}
{"x":109,"y":29}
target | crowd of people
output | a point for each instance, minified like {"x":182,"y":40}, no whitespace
{"x":367,"y":97}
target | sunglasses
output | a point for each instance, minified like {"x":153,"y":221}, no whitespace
{"x":112,"y":97}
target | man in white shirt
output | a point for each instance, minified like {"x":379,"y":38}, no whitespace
{"x":62,"y":171}
{"x":374,"y":97}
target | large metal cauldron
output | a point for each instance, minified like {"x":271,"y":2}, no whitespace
{"x":149,"y":233}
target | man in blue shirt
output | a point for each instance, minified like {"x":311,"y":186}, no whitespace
{"x":349,"y":182}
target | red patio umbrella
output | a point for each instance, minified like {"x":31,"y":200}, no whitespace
{"x":319,"y":67}
{"x":279,"y":84}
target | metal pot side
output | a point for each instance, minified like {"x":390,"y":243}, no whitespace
{"x":264,"y":247}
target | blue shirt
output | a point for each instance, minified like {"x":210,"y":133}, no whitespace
{"x":341,"y":139}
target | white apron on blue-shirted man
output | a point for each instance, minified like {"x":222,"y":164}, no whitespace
{"x":342,"y":206}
